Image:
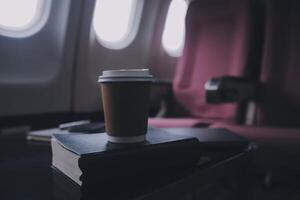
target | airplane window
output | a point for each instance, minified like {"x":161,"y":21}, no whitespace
{"x":174,"y":30}
{"x":116,"y":22}
{"x":19,"y":18}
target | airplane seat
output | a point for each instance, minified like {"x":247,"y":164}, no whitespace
{"x":220,"y":41}
{"x":277,"y":126}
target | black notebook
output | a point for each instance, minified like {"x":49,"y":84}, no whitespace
{"x":91,"y":158}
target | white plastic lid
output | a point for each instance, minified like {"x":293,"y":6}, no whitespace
{"x":125,"y":75}
{"x":126,"y":72}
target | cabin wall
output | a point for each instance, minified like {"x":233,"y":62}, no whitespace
{"x":36,"y":71}
{"x":93,"y":58}
{"x":163,"y":65}
{"x":56,"y":69}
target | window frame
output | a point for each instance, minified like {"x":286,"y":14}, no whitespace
{"x":179,"y":51}
{"x":35,"y":25}
{"x":133,"y":27}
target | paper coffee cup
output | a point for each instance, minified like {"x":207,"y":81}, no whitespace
{"x":126,"y":96}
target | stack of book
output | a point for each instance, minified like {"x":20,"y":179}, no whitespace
{"x":95,"y":164}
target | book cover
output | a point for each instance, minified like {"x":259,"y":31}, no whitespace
{"x":90,"y":157}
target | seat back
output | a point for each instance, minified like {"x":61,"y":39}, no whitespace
{"x":220,"y":40}
{"x":279,"y":103}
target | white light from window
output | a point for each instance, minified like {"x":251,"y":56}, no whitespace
{"x":17,"y":14}
{"x":22,"y":18}
{"x":114,"y":21}
{"x":174,"y":30}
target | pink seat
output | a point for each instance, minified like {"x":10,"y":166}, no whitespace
{"x":277,"y":128}
{"x":177,"y":122}
{"x":173,"y":122}
{"x":217,"y":43}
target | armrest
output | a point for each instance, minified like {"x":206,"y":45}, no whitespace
{"x":228,"y":89}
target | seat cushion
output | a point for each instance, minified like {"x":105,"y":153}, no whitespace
{"x":176,"y":122}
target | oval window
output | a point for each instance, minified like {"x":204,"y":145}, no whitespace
{"x":21,"y":18}
{"x":174,"y":29}
{"x":116,"y":22}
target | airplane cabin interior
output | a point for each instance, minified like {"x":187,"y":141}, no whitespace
{"x":149,"y":99}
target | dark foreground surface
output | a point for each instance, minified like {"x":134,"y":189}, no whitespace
{"x":26,"y":173}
